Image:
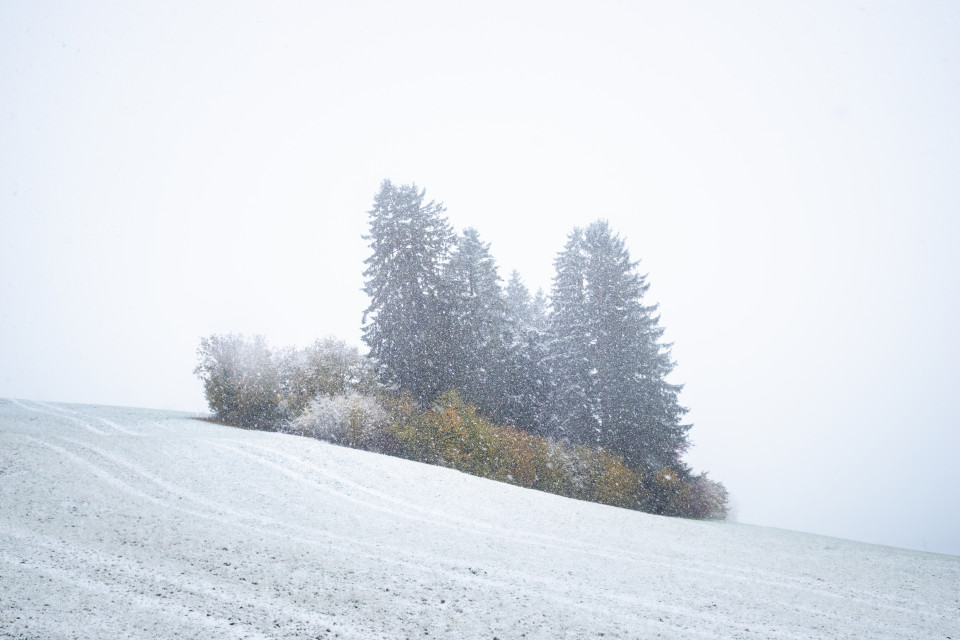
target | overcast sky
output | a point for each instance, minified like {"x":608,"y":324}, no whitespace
{"x":787,"y":173}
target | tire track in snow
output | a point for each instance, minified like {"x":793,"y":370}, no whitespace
{"x":281,"y":531}
{"x":285,"y":530}
{"x":99,"y":472}
{"x":77,"y":415}
{"x":221,"y":626}
{"x":763,"y":619}
{"x":247,"y":520}
{"x":470,"y":525}
{"x":89,"y":427}
{"x":426,"y":514}
{"x":310,"y":536}
{"x":124,"y":579}
{"x":455,"y":575}
{"x":714,"y":571}
{"x":178,"y":491}
{"x":434,"y":516}
{"x":440,"y":564}
{"x":548,"y":589}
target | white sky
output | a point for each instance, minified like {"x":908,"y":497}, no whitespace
{"x":786,"y":172}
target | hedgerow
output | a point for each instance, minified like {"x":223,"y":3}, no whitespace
{"x":452,"y":434}
{"x":327,"y":391}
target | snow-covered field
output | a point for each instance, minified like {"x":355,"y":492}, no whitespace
{"x":122,"y":522}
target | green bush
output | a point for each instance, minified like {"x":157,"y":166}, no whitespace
{"x":240,"y":380}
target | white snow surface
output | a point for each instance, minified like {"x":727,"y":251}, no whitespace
{"x":133,"y":523}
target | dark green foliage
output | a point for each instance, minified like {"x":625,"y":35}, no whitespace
{"x":606,"y":360}
{"x":473,"y":351}
{"x":572,"y":415}
{"x":240,"y":380}
{"x":524,"y":381}
{"x":406,"y":326}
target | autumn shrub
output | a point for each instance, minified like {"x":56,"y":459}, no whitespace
{"x":552,"y":463}
{"x":351,"y":419}
{"x":453,"y":434}
{"x":407,"y":430}
{"x":615,"y":483}
{"x":518,"y":452}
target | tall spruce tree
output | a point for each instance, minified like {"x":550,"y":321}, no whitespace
{"x":571,"y":414}
{"x":474,"y":306}
{"x":405,"y":326}
{"x":608,"y":365}
{"x":524,"y":381}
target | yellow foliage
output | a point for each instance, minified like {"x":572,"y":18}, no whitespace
{"x":616,"y":484}
{"x":453,"y":434}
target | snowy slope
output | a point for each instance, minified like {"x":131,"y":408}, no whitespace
{"x":135,"y":523}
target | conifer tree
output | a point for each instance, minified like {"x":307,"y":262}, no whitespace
{"x":606,"y":357}
{"x":524,"y":378}
{"x":474,"y":308}
{"x":404,"y":326}
{"x":571,"y":415}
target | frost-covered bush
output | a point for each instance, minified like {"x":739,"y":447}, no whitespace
{"x":240,"y":380}
{"x":248,"y":384}
{"x":328,"y":367}
{"x":351,"y":419}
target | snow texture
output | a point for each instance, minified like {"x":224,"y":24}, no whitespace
{"x":131,"y":523}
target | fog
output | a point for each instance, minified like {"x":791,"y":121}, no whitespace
{"x":786,"y":174}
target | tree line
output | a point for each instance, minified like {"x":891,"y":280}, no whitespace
{"x":586,"y":367}
{"x":566,"y":394}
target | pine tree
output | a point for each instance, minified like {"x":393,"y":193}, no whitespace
{"x":571,"y":415}
{"x":474,"y":308}
{"x":607,"y":360}
{"x":524,"y":377}
{"x":404,"y":326}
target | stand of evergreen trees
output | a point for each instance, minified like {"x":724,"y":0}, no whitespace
{"x":567,"y":395}
{"x":589,"y":368}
